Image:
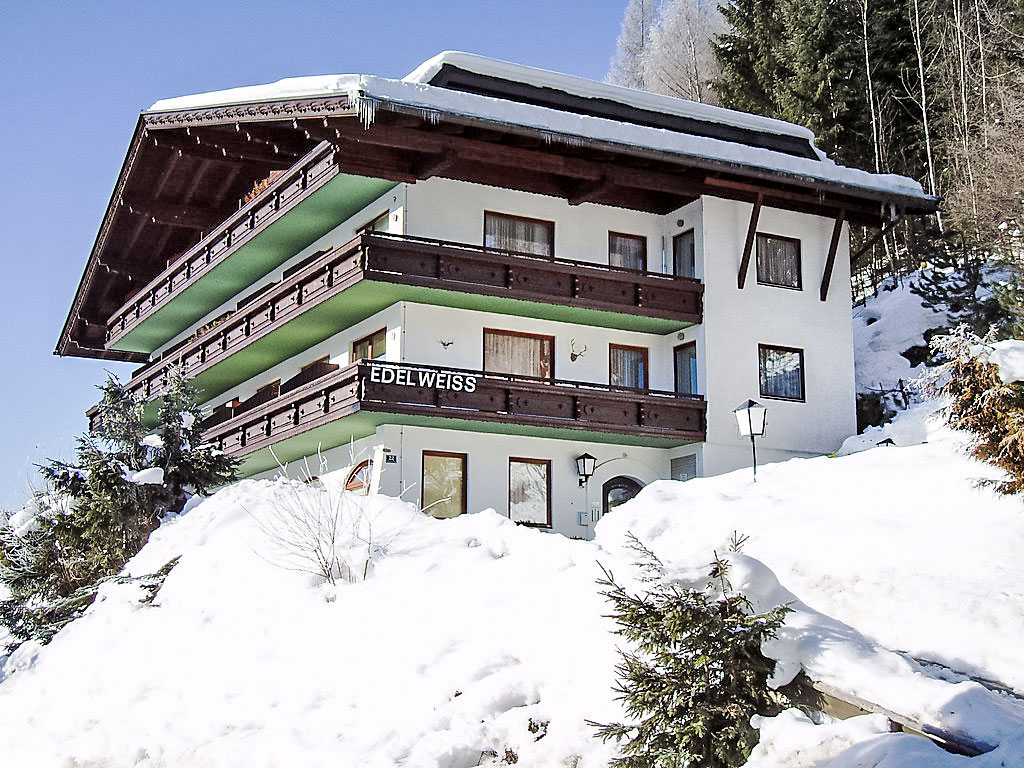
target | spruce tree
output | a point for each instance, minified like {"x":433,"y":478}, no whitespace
{"x":695,"y":674}
{"x":751,"y":56}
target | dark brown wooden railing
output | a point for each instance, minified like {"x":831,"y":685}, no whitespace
{"x":415,"y":261}
{"x":308,"y":175}
{"x":402,"y":388}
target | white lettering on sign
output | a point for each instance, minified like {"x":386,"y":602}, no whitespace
{"x":420,"y":377}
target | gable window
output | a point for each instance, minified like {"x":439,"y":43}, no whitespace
{"x":683,"y":261}
{"x":371,"y":347}
{"x":686,"y":368}
{"x":778,"y":261}
{"x":529,"y":492}
{"x":517,"y":233}
{"x":629,"y":251}
{"x":444,"y":483}
{"x":519,"y":354}
{"x":781,"y":372}
{"x":627,"y":366}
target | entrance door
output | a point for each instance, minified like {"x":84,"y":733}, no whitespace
{"x":618,"y":491}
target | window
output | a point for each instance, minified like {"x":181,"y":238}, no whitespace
{"x":444,"y":483}
{"x":686,"y":368}
{"x":618,"y":491}
{"x":371,"y":347}
{"x":627,"y":366}
{"x":379,"y":224}
{"x":683,"y":261}
{"x":529,"y":492}
{"x":516,"y":233}
{"x":778,"y":261}
{"x":629,"y":251}
{"x":519,"y":354}
{"x":684,"y":467}
{"x":782,"y":372}
{"x":359,"y":478}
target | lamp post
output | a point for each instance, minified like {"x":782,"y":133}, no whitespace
{"x":585,"y":465}
{"x":750,"y":419}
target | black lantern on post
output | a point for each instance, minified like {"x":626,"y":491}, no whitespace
{"x":585,"y":465}
{"x":750,"y":419}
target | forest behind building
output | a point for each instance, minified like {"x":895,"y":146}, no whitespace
{"x":931,"y":89}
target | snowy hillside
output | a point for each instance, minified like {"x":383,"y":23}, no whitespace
{"x":474,"y":636}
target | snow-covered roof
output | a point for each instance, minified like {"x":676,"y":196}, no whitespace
{"x":369,"y":92}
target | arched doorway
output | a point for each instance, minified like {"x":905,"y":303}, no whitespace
{"x":618,"y":491}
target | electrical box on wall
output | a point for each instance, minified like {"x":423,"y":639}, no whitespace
{"x":584,"y":517}
{"x":595,"y":512}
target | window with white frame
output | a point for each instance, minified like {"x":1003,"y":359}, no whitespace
{"x":781,"y":372}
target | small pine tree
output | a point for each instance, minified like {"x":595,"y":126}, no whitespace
{"x":697,"y":673}
{"x":93,"y":517}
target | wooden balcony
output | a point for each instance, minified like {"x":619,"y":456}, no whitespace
{"x":337,"y":288}
{"x":306,"y":201}
{"x":374,"y":393}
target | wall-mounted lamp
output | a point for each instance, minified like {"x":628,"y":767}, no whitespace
{"x":750,"y":419}
{"x":585,"y":465}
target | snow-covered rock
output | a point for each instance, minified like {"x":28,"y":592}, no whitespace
{"x":1008,"y":356}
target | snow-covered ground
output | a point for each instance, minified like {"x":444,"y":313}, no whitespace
{"x":475,"y":636}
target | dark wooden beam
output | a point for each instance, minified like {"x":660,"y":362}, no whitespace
{"x":885,"y":229}
{"x":175,"y":215}
{"x":211,"y":151}
{"x":830,"y":260}
{"x":432,"y":165}
{"x":588,"y":191}
{"x":748,"y":246}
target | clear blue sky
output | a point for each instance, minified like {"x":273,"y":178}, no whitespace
{"x":73,"y":78}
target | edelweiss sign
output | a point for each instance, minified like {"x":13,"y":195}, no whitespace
{"x":422,"y":377}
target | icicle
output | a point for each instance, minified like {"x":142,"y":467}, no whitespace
{"x":367,"y":109}
{"x":561,"y":138}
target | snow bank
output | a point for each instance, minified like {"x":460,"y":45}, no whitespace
{"x":474,"y":636}
{"x":883,"y":328}
{"x":1009,"y":357}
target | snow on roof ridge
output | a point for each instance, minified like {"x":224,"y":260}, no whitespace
{"x":582,"y":86}
{"x":287,"y":88}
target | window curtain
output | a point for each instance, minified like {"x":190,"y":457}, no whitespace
{"x":517,"y":355}
{"x":524,"y":235}
{"x":778,"y":261}
{"x":627,"y":251}
{"x":782,"y":373}
{"x":628,"y":367}
{"x":528,"y":500}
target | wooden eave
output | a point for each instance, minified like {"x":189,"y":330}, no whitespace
{"x":186,"y":168}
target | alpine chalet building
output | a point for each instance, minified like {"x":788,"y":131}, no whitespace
{"x":457,"y":283}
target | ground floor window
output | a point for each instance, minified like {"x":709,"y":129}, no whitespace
{"x":529,"y":491}
{"x":359,"y":478}
{"x":627,"y":366}
{"x":444,"y":483}
{"x":618,"y":491}
{"x":781,"y":372}
{"x":519,"y":354}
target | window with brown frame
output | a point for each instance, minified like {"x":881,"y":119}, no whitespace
{"x":683,"y":255}
{"x":781,"y":372}
{"x":519,"y":354}
{"x":685,"y":361}
{"x":518,"y":233}
{"x":359,"y":478}
{"x":778,"y":261}
{"x":627,"y":366}
{"x":529,"y":491}
{"x":444,"y":483}
{"x":629,"y":251}
{"x":371,"y":347}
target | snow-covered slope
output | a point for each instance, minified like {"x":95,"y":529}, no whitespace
{"x":474,"y":636}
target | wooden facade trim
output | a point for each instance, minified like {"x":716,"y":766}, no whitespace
{"x":830,"y":259}
{"x":406,"y":260}
{"x":519,"y":400}
{"x":748,"y":244}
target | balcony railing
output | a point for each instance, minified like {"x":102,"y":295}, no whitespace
{"x":411,"y":261}
{"x":427,"y":391}
{"x":309,"y":174}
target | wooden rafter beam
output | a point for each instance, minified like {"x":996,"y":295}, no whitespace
{"x":884,"y":230}
{"x":589,"y":190}
{"x":830,"y":260}
{"x":748,"y":245}
{"x":209,"y":151}
{"x":173,"y":214}
{"x":431,"y":165}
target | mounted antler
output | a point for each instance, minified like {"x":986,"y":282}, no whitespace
{"x":573,"y":354}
